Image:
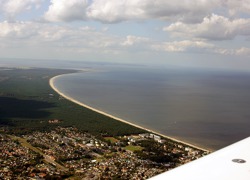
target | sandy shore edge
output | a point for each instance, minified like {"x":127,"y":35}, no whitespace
{"x":51,"y":83}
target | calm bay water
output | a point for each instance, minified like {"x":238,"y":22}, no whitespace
{"x":206,"y":108}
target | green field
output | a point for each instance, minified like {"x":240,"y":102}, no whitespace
{"x":133,"y":148}
{"x":27,"y":102}
{"x":111,"y":139}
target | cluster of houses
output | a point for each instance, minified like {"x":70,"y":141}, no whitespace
{"x":19,"y":162}
{"x":82,"y":155}
{"x":90,"y":157}
{"x":123,"y":165}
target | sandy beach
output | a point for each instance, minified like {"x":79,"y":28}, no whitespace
{"x":51,"y":82}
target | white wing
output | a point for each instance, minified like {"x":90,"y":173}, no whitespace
{"x":229,"y":163}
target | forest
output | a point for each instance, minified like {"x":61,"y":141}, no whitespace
{"x":28,"y":103}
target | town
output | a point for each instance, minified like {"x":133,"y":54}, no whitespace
{"x":67,"y":153}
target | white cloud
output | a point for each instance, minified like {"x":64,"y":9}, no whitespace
{"x":183,"y":46}
{"x":199,"y":47}
{"x":243,"y":51}
{"x":89,"y":39}
{"x":12,"y":8}
{"x":66,"y":10}
{"x":132,"y":40}
{"x":237,"y":6}
{"x":212,"y":27}
{"x":112,"y":11}
{"x":59,"y":38}
{"x":17,"y":30}
{"x":115,"y":11}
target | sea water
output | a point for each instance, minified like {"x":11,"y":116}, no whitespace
{"x":203,"y":107}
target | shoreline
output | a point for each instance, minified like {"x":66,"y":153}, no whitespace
{"x":51,"y":83}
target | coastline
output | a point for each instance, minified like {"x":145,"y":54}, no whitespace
{"x":51,"y":83}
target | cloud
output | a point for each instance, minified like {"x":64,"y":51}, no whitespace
{"x":132,"y":40}
{"x":212,"y":27}
{"x":183,"y":46}
{"x":243,"y":51}
{"x":12,"y":8}
{"x":66,"y":10}
{"x":19,"y":30}
{"x":112,"y":11}
{"x":190,"y":46}
{"x":237,"y":6}
{"x":189,"y":11}
{"x":57,"y":37}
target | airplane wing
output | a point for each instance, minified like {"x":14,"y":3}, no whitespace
{"x":229,"y":163}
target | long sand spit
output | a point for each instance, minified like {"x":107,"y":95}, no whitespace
{"x":51,"y":82}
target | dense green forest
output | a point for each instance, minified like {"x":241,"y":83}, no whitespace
{"x":27,"y":103}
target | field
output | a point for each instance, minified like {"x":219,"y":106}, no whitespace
{"x":111,"y":139}
{"x":133,"y":148}
{"x":27,"y":103}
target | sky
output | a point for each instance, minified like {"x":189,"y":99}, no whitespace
{"x":201,"y":33}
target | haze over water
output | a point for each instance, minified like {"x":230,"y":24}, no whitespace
{"x":206,"y":108}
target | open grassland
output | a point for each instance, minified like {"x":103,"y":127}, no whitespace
{"x":27,"y":103}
